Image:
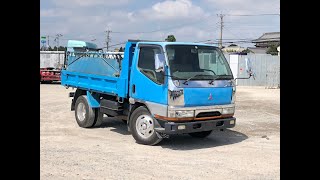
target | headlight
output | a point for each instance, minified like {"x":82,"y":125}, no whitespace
{"x":184,"y":114}
{"x":181,"y":114}
{"x":228,"y":110}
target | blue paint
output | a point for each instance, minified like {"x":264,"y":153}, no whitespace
{"x":98,"y":74}
{"x":93,"y":100}
{"x":93,"y":65}
{"x":95,"y":75}
{"x":96,"y":83}
{"x":81,"y":44}
{"x":200,"y":96}
{"x":145,"y":88}
{"x":163,"y":44}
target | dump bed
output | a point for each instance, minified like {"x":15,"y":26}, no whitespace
{"x":88,"y":68}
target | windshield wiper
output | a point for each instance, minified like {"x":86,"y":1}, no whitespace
{"x":194,"y":77}
{"x":219,"y":77}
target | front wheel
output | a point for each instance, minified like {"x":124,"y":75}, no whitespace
{"x":142,"y":127}
{"x":202,"y":134}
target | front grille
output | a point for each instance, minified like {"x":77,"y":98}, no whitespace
{"x":208,"y":114}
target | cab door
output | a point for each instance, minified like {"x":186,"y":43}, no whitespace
{"x":145,"y":83}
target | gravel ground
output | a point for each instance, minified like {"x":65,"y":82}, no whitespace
{"x":251,"y":150}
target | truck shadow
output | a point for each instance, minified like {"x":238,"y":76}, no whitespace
{"x":216,"y":138}
{"x":116,"y":125}
{"x":182,"y":141}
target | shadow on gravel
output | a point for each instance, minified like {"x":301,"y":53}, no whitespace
{"x":116,"y":125}
{"x":183,"y":141}
{"x":217,"y":138}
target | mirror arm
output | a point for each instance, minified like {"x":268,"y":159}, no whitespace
{"x":244,"y":77}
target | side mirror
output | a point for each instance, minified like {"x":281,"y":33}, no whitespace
{"x":159,"y":62}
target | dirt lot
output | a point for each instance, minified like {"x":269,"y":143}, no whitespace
{"x":251,"y":150}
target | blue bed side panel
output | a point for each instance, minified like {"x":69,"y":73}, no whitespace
{"x":92,"y":82}
{"x":98,"y":75}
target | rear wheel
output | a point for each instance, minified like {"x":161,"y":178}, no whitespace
{"x":202,"y":134}
{"x":84,"y":114}
{"x":142,"y":127}
{"x":98,"y":118}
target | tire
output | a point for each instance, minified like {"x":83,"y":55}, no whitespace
{"x":202,"y":134}
{"x":146,"y":134}
{"x":84,"y":114}
{"x":98,"y":118}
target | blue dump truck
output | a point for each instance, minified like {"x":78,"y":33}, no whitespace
{"x":156,"y":88}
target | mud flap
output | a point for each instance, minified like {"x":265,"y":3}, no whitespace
{"x":159,"y":134}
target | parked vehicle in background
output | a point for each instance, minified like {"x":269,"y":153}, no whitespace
{"x":51,"y":63}
{"x":49,"y":74}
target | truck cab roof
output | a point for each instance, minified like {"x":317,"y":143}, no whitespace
{"x":81,"y":44}
{"x":164,"y":43}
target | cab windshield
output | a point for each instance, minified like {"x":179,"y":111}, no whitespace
{"x":198,"y":62}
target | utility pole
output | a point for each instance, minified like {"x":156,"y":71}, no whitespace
{"x":48,"y":42}
{"x":108,"y":39}
{"x":57,"y":40}
{"x":221,"y":27}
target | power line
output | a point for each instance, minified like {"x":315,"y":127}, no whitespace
{"x":118,"y":44}
{"x":232,"y":33}
{"x":115,"y":45}
{"x":249,"y":40}
{"x":252,"y":14}
{"x":203,"y":41}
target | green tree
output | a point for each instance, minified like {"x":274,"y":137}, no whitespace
{"x":121,"y":49}
{"x":273,"y":49}
{"x":61,"y":48}
{"x":232,"y":45}
{"x":247,"y":51}
{"x":171,"y":38}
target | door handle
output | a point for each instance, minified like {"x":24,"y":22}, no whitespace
{"x":133,"y":88}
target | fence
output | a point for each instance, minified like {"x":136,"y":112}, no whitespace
{"x":266,"y":68}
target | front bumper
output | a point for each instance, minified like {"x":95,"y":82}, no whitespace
{"x":196,"y":126}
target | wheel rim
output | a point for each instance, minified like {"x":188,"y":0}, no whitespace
{"x":144,"y":126}
{"x":81,"y":111}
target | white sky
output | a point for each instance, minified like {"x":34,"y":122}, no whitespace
{"x":187,"y":20}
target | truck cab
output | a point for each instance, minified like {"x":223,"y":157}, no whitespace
{"x":187,"y":87}
{"x":158,"y":89}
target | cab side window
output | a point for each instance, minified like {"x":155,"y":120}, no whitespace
{"x":146,"y":63}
